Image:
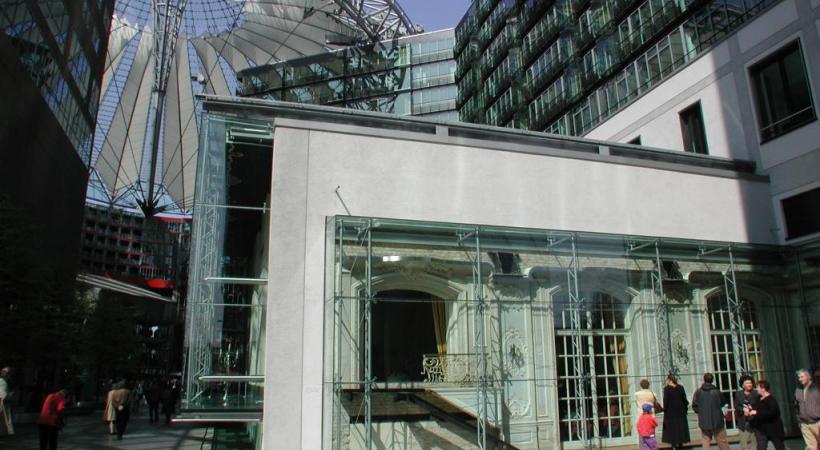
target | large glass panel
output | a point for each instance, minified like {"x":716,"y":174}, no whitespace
{"x":478,"y":334}
{"x":228,"y":290}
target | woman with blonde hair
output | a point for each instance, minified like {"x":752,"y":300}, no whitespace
{"x":109,"y":413}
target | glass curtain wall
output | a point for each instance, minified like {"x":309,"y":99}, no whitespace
{"x":226,"y":306}
{"x":412,"y":76}
{"x":482,"y":336}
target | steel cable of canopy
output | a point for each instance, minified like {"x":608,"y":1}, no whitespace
{"x":162,"y":54}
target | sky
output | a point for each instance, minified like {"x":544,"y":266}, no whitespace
{"x":435,"y":14}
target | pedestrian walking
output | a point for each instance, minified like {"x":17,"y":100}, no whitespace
{"x":50,"y":420}
{"x":645,"y":396}
{"x":6,"y":424}
{"x":152,"y":397}
{"x":169,"y":400}
{"x":646,"y":429}
{"x":707,"y":403}
{"x":745,"y":397}
{"x":121,"y":400}
{"x":765,"y":418}
{"x":675,"y":405}
{"x":139,"y":393}
{"x":807,"y":397}
{"x":109,"y":413}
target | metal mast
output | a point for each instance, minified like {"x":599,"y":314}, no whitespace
{"x":167,"y":21}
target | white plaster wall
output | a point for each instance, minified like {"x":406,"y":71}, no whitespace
{"x":411,"y":179}
{"x":424,"y":181}
{"x":719,"y":80}
{"x":661,"y":128}
{"x":655,"y":115}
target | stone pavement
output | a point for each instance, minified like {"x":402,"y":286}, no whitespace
{"x":88,"y":432}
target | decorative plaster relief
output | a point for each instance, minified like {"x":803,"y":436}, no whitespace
{"x":680,"y":350}
{"x":515,"y":353}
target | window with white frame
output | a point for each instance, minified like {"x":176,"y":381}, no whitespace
{"x":604,"y":371}
{"x":723,"y":352}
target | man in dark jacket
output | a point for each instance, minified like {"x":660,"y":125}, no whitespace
{"x":152,"y":397}
{"x":707,"y":403}
{"x":747,"y":397}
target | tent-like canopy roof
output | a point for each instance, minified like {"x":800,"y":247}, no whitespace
{"x":160,"y":55}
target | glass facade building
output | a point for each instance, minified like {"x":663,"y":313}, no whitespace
{"x":52,"y":55}
{"x":414,"y":75}
{"x":62,"y":45}
{"x":473,"y":335}
{"x":565,"y":66}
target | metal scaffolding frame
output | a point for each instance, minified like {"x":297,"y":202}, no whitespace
{"x":576,"y":308}
{"x":207,"y":266}
{"x":661,"y":303}
{"x":741,"y":356}
{"x":479,"y":339}
{"x":207,"y":229}
{"x":368,"y":341}
{"x":584,"y":422}
{"x":337,"y":320}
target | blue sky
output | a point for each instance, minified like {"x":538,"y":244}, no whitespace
{"x":435,"y":14}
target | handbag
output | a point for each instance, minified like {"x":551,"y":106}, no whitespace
{"x":655,"y":405}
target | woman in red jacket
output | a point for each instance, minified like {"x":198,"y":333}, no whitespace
{"x":51,"y":417}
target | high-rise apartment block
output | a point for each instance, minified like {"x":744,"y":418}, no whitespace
{"x":565,"y":66}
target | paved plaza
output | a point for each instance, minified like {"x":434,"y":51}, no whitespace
{"x":88,"y":432}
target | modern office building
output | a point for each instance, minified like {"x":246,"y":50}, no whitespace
{"x":361,"y":280}
{"x":52,"y":54}
{"x":140,"y":264}
{"x":130,"y":246}
{"x":412,"y":75}
{"x":727,"y":78}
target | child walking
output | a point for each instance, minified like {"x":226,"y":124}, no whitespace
{"x":646,"y":428}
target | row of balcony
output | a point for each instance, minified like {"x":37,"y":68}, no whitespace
{"x":594,"y":20}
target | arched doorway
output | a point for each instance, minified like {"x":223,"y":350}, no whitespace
{"x":403,"y":331}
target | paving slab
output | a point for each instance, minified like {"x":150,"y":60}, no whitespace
{"x":89,"y":432}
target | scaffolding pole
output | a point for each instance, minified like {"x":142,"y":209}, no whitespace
{"x":338,"y":309}
{"x":667,"y":362}
{"x":735,"y":303}
{"x":368,"y":341}
{"x":735,"y":316}
{"x":576,"y":307}
{"x":203,"y":299}
{"x":479,"y":341}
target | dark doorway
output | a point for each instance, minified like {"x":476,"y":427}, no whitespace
{"x":402,"y":332}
